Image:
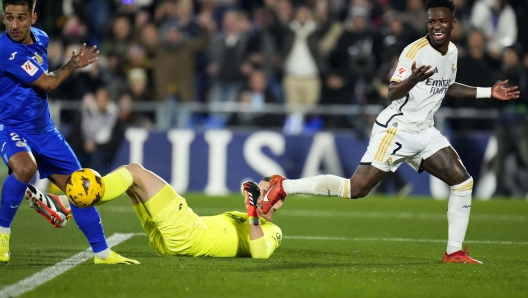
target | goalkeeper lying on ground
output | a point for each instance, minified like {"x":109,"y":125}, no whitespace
{"x":174,"y":229}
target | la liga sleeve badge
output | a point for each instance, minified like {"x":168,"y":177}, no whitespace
{"x":30,"y":68}
{"x":401,"y":73}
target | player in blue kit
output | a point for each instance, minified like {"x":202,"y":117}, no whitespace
{"x":28,"y":138}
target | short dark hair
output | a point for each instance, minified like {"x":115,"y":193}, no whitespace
{"x":267,"y":179}
{"x":29,"y":3}
{"x":441,"y":3}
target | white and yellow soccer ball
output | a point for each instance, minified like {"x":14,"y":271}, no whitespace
{"x":84,"y":188}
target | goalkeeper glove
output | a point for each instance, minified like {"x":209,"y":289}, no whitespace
{"x":252,"y":193}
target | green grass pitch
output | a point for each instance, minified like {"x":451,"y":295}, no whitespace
{"x":373,"y":247}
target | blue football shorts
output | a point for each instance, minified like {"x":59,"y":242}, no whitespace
{"x":50,"y":149}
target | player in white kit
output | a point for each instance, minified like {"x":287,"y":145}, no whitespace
{"x":405,"y":132}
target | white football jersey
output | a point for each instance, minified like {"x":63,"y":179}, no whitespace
{"x":414,"y":112}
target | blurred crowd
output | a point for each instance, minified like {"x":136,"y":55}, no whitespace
{"x":247,"y":53}
{"x":290,"y":52}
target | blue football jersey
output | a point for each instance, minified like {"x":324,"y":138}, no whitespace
{"x":23,"y":107}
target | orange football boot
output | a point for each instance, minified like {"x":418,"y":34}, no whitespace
{"x":460,"y":256}
{"x":274,"y":193}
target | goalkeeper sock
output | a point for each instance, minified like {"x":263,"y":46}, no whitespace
{"x":458,"y":209}
{"x":116,"y":183}
{"x":322,"y":185}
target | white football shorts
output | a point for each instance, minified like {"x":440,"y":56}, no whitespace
{"x":389,"y":147}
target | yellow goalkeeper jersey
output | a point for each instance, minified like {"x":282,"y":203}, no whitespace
{"x":174,"y":229}
{"x":227,"y":235}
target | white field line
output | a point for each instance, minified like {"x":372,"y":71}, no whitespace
{"x":50,"y":273}
{"x":350,"y":214}
{"x":401,"y":240}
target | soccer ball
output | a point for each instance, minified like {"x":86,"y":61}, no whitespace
{"x":84,"y":188}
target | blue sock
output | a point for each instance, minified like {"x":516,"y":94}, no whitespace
{"x":89,"y":221}
{"x":12,"y":195}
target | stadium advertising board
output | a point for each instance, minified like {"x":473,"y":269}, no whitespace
{"x":217,"y":161}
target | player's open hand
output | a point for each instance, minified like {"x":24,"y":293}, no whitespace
{"x":85,"y":56}
{"x":501,"y":92}
{"x":420,"y":73}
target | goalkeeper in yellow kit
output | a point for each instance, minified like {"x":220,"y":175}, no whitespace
{"x":174,"y":229}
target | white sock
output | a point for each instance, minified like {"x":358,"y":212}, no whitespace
{"x":458,"y":209}
{"x":103,"y":254}
{"x":4,"y":230}
{"x":64,"y":200}
{"x":322,"y":185}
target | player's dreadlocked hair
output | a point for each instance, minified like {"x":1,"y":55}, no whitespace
{"x":29,"y":3}
{"x":441,"y":3}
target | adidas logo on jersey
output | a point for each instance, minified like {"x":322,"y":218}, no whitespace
{"x":436,"y":69}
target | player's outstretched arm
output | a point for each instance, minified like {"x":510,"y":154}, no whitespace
{"x":259,"y":246}
{"x":499,"y":91}
{"x":251,"y":193}
{"x":398,"y":90}
{"x":50,"y":81}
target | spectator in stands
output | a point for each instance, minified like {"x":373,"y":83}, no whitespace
{"x":326,"y":16}
{"x":97,"y":132}
{"x":496,"y":19}
{"x":137,"y":56}
{"x":342,"y":74}
{"x":474,"y":69}
{"x":512,"y":126}
{"x":302,"y":60}
{"x":252,"y":99}
{"x":463,"y":10}
{"x":114,"y":80}
{"x":119,"y":41}
{"x":128,"y":116}
{"x":187,"y":23}
{"x":74,"y":31}
{"x":141,"y":19}
{"x":137,"y":81}
{"x":282,"y":11}
{"x":97,"y":14}
{"x":177,"y":52}
{"x":415,"y":16}
{"x":165,"y":10}
{"x":395,"y":34}
{"x":522,"y":24}
{"x":262,"y":50}
{"x":227,"y":53}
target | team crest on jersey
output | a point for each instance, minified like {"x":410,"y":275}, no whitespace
{"x":453,"y":68}
{"x":20,"y":144}
{"x":388,"y":162}
{"x":39,"y":58}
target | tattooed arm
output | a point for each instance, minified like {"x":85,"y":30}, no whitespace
{"x":498,"y":91}
{"x":50,"y":81}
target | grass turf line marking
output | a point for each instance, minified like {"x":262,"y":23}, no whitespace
{"x":392,"y":240}
{"x":402,"y":240}
{"x":50,"y":273}
{"x":352,"y":214}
